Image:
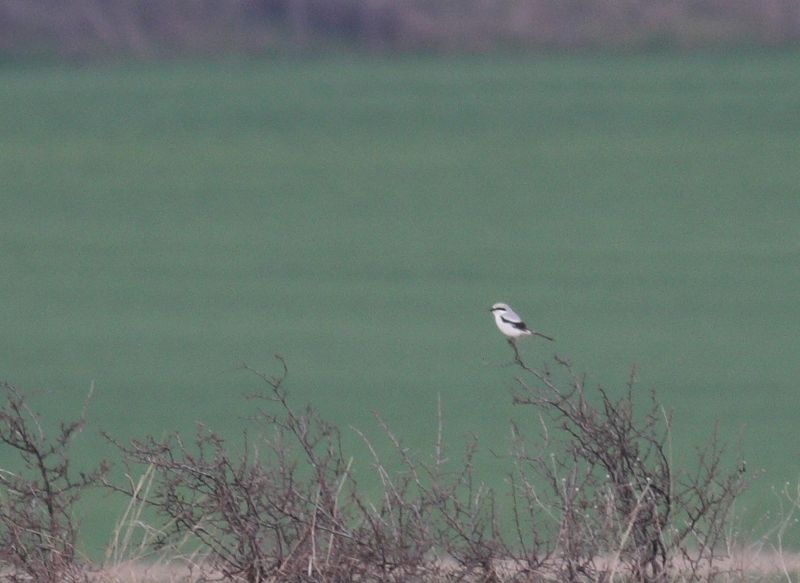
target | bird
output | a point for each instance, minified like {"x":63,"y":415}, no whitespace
{"x":511,"y":324}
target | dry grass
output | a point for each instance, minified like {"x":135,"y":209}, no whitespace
{"x":744,"y":565}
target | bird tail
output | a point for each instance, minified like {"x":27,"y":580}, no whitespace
{"x":545,"y":336}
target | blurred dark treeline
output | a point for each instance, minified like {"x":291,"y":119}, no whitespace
{"x":157,"y":27}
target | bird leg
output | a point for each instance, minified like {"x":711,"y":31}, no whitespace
{"x":517,"y":358}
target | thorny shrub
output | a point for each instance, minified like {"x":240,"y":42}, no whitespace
{"x":600,"y":499}
{"x":603,"y":476}
{"x":595,"y":496}
{"x":38,"y":530}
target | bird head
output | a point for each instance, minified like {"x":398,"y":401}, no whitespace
{"x":499,"y":307}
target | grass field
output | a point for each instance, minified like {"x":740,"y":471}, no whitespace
{"x":161,"y":223}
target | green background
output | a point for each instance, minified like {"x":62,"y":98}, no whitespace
{"x":161,"y":223}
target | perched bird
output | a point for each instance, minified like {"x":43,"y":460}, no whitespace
{"x":511,"y":325}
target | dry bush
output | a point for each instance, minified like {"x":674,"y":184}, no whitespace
{"x":616,"y":502}
{"x":289,"y":509}
{"x":600,"y":499}
{"x":435,"y":518}
{"x":271,"y":512}
{"x":38,"y":530}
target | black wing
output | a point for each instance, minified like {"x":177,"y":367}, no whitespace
{"x":518,"y":324}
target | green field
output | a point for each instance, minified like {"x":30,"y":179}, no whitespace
{"x":161,"y":223}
